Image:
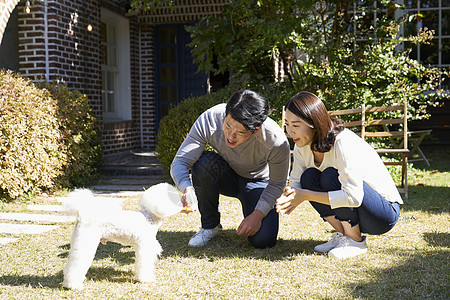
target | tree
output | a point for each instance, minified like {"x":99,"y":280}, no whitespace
{"x":331,"y":48}
{"x":256,"y":37}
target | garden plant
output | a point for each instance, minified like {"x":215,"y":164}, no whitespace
{"x":49,"y":138}
{"x":279,"y":48}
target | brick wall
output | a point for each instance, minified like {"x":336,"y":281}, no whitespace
{"x":54,"y":42}
{"x":184,"y":11}
{"x":72,"y":54}
{"x":148,"y":102}
{"x":120,"y":137}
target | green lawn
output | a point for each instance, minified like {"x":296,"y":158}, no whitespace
{"x":409,"y":262}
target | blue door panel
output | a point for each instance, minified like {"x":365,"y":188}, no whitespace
{"x":188,"y":81}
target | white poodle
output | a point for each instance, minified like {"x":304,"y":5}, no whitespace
{"x":102,"y":219}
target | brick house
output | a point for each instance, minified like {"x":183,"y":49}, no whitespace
{"x":132,"y":67}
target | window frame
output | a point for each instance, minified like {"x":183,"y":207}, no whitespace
{"x":122,"y":74}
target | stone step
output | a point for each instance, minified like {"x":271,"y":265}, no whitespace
{"x":9,"y":228}
{"x":154,"y":169}
{"x":131,"y":180}
{"x":52,"y":208}
{"x":5,"y":240}
{"x":135,"y":162}
{"x":36,"y":217}
{"x":128,"y":188}
{"x":117,"y":194}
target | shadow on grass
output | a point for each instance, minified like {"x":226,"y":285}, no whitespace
{"x":419,"y":276}
{"x":438,"y":157}
{"x":437,"y":239}
{"x":33,"y":281}
{"x":432,"y":199}
{"x":110,"y":274}
{"x":230,"y":245}
{"x":55,"y":281}
{"x":422,"y":275}
{"x":123,"y":255}
{"x":111,"y":250}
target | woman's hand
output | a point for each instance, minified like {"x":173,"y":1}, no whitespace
{"x":290,"y":199}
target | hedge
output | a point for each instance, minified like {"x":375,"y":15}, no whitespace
{"x":48,"y":137}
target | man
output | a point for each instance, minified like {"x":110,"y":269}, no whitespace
{"x":250,"y":162}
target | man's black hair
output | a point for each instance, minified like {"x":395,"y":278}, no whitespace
{"x":248,"y":108}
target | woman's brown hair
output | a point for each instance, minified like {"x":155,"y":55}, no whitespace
{"x":311,"y":109}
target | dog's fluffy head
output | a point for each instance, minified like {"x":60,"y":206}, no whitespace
{"x":162,"y":200}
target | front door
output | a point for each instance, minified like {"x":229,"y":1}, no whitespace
{"x":176,"y":74}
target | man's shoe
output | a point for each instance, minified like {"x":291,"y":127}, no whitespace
{"x":331,"y":244}
{"x":203,"y":236}
{"x":348,"y":248}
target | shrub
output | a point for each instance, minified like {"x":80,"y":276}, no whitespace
{"x":277,"y":94}
{"x":175,"y":126}
{"x":30,"y":151}
{"x":322,"y":47}
{"x":81,"y":137}
{"x":49,"y":137}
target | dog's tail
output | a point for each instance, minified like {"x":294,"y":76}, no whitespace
{"x":83,"y":202}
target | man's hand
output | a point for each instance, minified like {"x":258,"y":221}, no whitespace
{"x":251,"y":224}
{"x":189,"y":200}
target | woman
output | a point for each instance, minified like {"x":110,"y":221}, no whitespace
{"x":341,"y":176}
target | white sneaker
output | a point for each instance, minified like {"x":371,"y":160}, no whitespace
{"x":331,"y":244}
{"x":203,"y":236}
{"x":348,"y":248}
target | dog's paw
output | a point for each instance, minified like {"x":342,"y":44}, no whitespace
{"x":145,"y":278}
{"x":73,"y":285}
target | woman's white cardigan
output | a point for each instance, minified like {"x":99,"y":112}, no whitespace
{"x":356,"y":162}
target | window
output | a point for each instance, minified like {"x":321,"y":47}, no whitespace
{"x":115,"y":64}
{"x":434,"y":15}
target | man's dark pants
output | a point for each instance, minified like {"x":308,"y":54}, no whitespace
{"x":211,"y":176}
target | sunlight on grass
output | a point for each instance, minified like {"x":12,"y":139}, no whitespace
{"x":409,"y":262}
